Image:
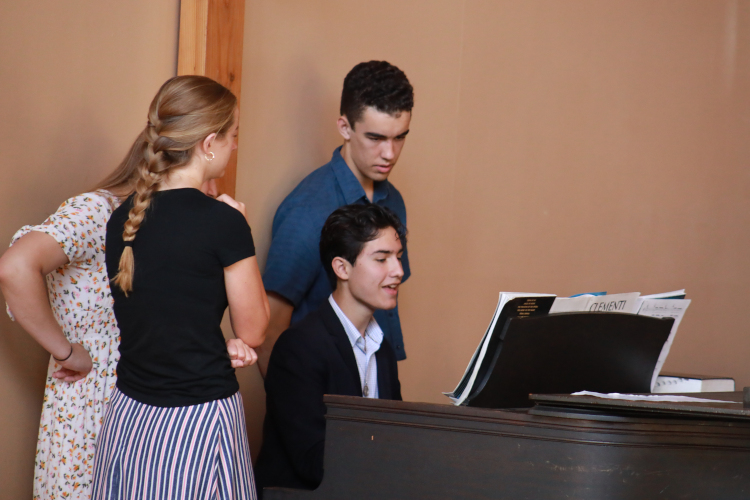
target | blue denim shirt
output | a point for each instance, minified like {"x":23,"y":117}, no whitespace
{"x":293,"y":269}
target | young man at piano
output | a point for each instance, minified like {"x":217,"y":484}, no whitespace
{"x":376,"y":105}
{"x":337,"y":349}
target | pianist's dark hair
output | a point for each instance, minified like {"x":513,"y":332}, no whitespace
{"x":346,"y":231}
{"x":377,"y":84}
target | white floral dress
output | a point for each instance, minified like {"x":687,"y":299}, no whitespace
{"x":80,"y":298}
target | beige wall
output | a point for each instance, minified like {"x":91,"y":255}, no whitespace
{"x":76,"y":78}
{"x":558,"y":147}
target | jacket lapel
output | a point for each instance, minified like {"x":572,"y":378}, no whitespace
{"x":341,"y":341}
{"x":384,"y":372}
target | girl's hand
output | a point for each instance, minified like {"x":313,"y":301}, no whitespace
{"x":240,"y":354}
{"x":76,"y":367}
{"x":237,"y":205}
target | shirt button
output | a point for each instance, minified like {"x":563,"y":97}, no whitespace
{"x":390,"y":315}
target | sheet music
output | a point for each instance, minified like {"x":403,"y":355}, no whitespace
{"x":664,"y":308}
{"x":571,"y":304}
{"x":677,"y":294}
{"x":615,"y":302}
{"x":655,"y":398}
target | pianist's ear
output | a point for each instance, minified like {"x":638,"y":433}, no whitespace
{"x":341,"y":268}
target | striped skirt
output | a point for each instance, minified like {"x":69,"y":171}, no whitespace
{"x":195,"y":452}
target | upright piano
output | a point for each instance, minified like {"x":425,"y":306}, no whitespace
{"x":564,"y":447}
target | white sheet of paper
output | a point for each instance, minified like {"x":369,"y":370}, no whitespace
{"x":614,"y":302}
{"x":664,"y":308}
{"x":655,"y":398}
{"x":571,"y":304}
{"x":664,"y":295}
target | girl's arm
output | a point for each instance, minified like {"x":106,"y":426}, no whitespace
{"x":248,"y":303}
{"x":23,"y":268}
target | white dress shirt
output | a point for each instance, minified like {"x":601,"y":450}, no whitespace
{"x":364,"y":349}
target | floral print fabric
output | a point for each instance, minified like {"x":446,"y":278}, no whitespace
{"x":79,"y":294}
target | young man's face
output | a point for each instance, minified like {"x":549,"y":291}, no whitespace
{"x":375,"y":142}
{"x":376,"y":274}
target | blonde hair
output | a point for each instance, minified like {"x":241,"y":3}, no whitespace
{"x":184,"y":112}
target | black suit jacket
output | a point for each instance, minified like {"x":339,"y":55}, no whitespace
{"x":312,"y":358}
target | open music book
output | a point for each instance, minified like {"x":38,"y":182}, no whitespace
{"x":513,"y":304}
{"x":509,"y":305}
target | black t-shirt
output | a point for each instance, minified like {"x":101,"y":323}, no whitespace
{"x":172,"y":351}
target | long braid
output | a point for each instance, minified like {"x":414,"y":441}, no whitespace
{"x":145,"y":187}
{"x":184,"y":112}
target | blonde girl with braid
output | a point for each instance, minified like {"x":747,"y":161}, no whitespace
{"x":55,"y":284}
{"x":177,"y":259}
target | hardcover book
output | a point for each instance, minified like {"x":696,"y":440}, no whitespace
{"x":509,"y":305}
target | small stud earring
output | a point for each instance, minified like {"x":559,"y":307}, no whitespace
{"x":212,"y":156}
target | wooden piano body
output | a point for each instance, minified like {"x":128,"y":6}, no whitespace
{"x":563,"y":448}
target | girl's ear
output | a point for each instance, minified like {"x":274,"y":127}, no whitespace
{"x":207,"y":143}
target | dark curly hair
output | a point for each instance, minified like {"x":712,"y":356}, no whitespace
{"x":377,"y":84}
{"x":348,"y":228}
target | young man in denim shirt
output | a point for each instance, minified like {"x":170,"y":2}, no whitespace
{"x":376,"y":105}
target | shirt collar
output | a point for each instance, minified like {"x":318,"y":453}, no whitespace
{"x":350,"y":186}
{"x":373,"y":330}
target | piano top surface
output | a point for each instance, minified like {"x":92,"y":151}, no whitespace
{"x":731,"y":410}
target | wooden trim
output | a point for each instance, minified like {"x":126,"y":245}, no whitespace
{"x":191,"y":58}
{"x":210,"y":44}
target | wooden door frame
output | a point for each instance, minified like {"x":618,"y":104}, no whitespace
{"x":210,"y":44}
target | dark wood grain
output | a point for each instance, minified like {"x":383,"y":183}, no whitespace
{"x":400,"y":450}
